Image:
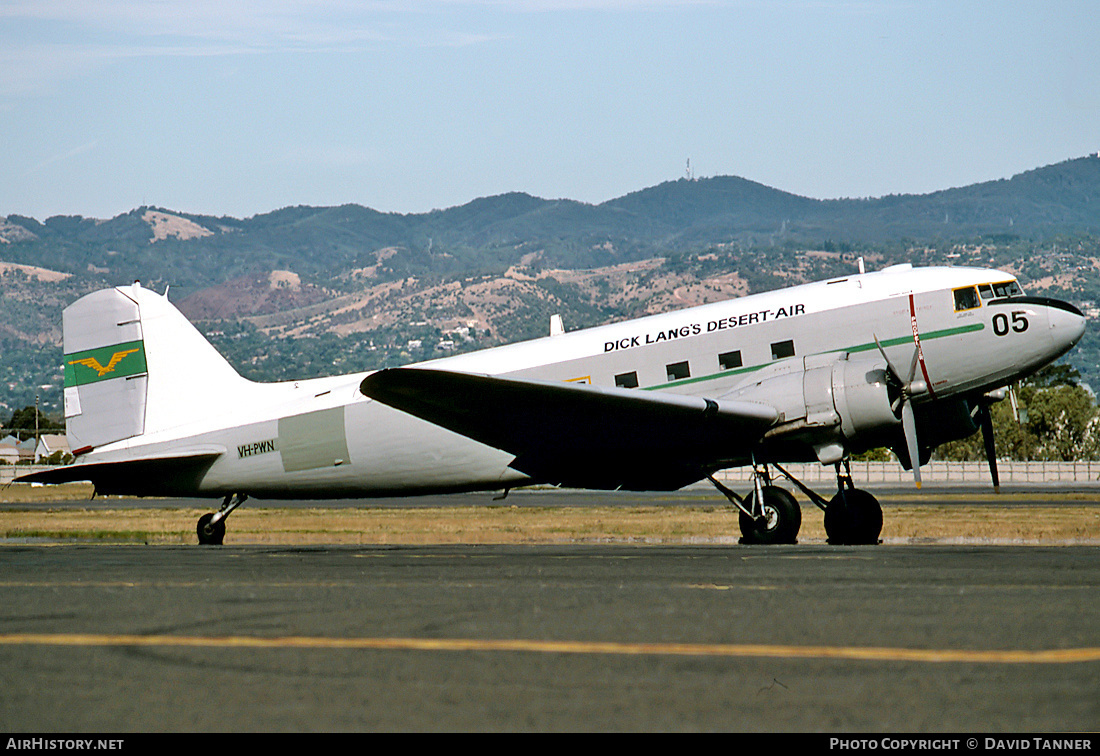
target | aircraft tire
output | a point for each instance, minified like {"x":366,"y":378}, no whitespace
{"x":783,"y":518}
{"x":853,"y":517}
{"x":216,"y":534}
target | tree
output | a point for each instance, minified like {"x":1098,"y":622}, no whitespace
{"x":22,"y":423}
{"x":1055,"y":422}
{"x":1065,"y":423}
{"x":1054,"y":375}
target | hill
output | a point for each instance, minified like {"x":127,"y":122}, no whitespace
{"x":494,"y":232}
{"x":373,"y":289}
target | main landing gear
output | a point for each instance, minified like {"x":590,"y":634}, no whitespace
{"x":853,"y":516}
{"x":211,"y":528}
{"x":771,"y":515}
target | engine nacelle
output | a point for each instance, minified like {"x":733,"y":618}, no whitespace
{"x":864,"y":398}
{"x":829,"y":402}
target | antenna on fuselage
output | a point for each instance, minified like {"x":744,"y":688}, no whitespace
{"x":862,"y":269}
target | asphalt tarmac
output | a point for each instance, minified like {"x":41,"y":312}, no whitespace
{"x":806,"y":638}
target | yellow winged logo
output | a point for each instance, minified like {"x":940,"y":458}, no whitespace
{"x":93,"y":363}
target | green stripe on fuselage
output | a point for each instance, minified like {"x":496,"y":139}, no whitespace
{"x":104,"y":363}
{"x":909,"y":339}
{"x":851,"y":350}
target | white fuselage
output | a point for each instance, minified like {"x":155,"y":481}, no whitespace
{"x":324,"y":438}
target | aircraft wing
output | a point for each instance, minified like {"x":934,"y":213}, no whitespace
{"x":580,"y":435}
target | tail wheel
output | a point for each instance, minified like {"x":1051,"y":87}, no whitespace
{"x":780,"y":523}
{"x":853,"y":517}
{"x":211,"y":535}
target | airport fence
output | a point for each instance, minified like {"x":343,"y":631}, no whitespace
{"x":1011,"y":473}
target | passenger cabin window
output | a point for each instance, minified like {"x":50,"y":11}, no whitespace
{"x":677,"y":371}
{"x":627,"y":380}
{"x":782,"y":349}
{"x":966,"y":299}
{"x":730,"y":360}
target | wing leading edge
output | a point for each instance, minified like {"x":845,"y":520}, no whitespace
{"x":580,"y":435}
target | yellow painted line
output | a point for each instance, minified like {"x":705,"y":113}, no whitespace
{"x":716,"y":587}
{"x":847,"y":653}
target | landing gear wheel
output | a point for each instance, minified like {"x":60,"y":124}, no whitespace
{"x":210,"y":535}
{"x":781,"y":521}
{"x":853,"y":517}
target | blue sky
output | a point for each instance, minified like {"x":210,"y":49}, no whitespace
{"x":240,"y":108}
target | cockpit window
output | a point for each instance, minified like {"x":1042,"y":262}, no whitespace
{"x":966,"y":299}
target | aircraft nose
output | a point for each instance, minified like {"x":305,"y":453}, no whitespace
{"x":1067,"y":323}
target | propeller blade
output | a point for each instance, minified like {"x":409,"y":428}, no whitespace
{"x":909,"y":427}
{"x":909,"y":386}
{"x":889,"y":365}
{"x":986,"y":418}
{"x":913,"y":365}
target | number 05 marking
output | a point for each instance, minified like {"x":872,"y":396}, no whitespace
{"x":1001,"y":325}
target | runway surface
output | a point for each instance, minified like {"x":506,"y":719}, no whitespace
{"x":806,"y":638}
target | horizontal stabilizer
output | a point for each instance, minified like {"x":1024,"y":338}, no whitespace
{"x":581,"y":435}
{"x":177,"y":474}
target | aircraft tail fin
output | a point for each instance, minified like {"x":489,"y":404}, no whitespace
{"x":134,"y":365}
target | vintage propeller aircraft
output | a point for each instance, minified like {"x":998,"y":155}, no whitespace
{"x":905,"y":358}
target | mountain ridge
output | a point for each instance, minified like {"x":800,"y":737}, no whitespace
{"x":364,"y":286}
{"x":695,"y":210}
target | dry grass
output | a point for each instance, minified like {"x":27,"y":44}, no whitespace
{"x":22,"y":493}
{"x":691,"y":521}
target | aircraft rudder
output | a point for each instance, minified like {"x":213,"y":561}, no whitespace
{"x":106,"y":375}
{"x":134,"y":364}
